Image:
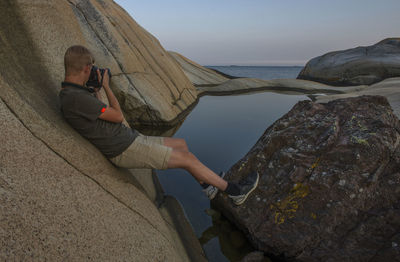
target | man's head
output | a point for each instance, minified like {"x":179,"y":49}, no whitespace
{"x":78,"y":61}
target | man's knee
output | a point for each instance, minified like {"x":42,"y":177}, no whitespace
{"x":176,"y":143}
{"x":183,"y":145}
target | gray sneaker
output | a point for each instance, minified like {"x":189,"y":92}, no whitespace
{"x":211,"y":191}
{"x":246,"y":185}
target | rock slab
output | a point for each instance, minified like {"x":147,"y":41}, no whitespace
{"x":197,"y":74}
{"x":60,"y":198}
{"x":364,"y":65}
{"x":150,"y":85}
{"x":329,"y":185}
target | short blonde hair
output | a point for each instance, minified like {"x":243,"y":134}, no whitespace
{"x":76,"y":58}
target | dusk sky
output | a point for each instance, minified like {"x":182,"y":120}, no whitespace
{"x":264,"y":32}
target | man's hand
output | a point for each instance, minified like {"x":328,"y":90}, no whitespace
{"x":96,"y":92}
{"x":106,"y":78}
{"x":113,"y":113}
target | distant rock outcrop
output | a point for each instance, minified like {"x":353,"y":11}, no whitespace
{"x":329,"y":183}
{"x":60,"y":198}
{"x":198,"y":75}
{"x":356,"y":66}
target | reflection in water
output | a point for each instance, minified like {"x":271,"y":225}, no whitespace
{"x":157,"y":131}
{"x":233,"y":243}
{"x":169,"y":130}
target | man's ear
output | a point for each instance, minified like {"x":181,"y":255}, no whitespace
{"x":86,"y":69}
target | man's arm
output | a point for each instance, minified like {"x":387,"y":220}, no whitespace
{"x":96,"y":93}
{"x":113,"y":112}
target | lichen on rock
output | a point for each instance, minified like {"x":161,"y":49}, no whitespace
{"x":329,"y":175}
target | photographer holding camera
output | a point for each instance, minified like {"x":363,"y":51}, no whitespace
{"x":123,"y":146}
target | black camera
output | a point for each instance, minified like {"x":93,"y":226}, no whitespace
{"x":94,"y":80}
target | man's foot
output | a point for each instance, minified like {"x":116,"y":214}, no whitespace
{"x":211,"y":191}
{"x":246,"y":186}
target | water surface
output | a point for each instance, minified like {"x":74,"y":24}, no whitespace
{"x":220,"y":131}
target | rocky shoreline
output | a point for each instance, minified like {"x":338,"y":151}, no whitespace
{"x":62,"y":200}
{"x":316,"y":215}
{"x":387,"y":87}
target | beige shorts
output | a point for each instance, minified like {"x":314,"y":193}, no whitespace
{"x":144,"y":152}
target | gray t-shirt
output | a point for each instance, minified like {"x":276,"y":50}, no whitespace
{"x":81,"y":110}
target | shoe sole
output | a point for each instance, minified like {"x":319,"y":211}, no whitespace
{"x":248,"y":194}
{"x":212,"y":196}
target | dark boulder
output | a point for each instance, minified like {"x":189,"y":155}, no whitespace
{"x":362,"y":65}
{"x":329,"y":185}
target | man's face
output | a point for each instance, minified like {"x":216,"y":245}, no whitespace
{"x":87,"y":75}
{"x":87,"y":72}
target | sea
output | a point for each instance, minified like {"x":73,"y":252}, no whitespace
{"x":220,"y":131}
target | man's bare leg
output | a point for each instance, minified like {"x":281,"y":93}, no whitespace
{"x":182,"y":158}
{"x":189,"y":162}
{"x":180,"y":145}
{"x":176,"y":143}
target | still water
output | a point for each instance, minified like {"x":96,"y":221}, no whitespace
{"x":220,"y":131}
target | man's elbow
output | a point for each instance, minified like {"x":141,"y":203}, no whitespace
{"x":112,"y":115}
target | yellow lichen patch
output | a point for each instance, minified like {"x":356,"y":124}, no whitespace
{"x":363,"y":128}
{"x":360,"y":126}
{"x":300,"y":190}
{"x":242,"y":165}
{"x":313,"y":166}
{"x":278,"y":218}
{"x":359,"y":140}
{"x":287,"y":208}
{"x":313,"y":215}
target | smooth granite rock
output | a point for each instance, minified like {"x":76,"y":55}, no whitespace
{"x":286,"y":86}
{"x":150,"y":85}
{"x":60,"y":198}
{"x":329,"y":185}
{"x":53,"y":209}
{"x":197,"y":74}
{"x":364,"y":65}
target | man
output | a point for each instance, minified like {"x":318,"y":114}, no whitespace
{"x":123,"y":146}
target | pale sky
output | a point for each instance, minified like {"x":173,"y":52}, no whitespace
{"x":264,"y":32}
